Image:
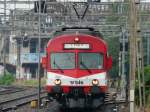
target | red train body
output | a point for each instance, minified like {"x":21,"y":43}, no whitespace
{"x":77,"y":65}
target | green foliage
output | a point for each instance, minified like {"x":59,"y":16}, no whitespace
{"x":147,"y":86}
{"x":113,"y":49}
{"x":7,"y":79}
{"x":147,"y":83}
{"x":31,"y":82}
{"x":147,"y":75}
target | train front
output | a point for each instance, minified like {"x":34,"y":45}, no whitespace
{"x":77,"y":66}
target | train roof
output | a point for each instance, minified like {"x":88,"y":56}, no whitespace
{"x":81,"y":30}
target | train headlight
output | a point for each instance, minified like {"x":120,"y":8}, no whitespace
{"x":95,"y":82}
{"x":57,"y":82}
{"x":76,"y":39}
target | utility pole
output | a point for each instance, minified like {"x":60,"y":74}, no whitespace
{"x":4,"y":40}
{"x":132,"y":41}
{"x":123,"y":75}
{"x":139,"y":68}
{"x":18,"y":67}
{"x":39,"y":62}
{"x":136,"y":55}
{"x":148,"y":49}
{"x":141,"y":78}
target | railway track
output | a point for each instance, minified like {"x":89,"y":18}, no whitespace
{"x":112,"y":104}
{"x":109,"y":106}
{"x":13,"y":104}
{"x":10,"y":89}
{"x":18,"y":93}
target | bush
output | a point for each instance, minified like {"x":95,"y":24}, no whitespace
{"x":31,"y":82}
{"x":7,"y":79}
{"x":147,"y":86}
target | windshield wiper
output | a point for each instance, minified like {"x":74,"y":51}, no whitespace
{"x":81,"y":63}
{"x":58,"y":66}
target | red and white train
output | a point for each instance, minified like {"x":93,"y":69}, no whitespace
{"x":77,"y":64}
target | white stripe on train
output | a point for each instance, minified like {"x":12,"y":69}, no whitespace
{"x":83,"y":81}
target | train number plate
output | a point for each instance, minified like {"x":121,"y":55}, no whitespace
{"x":79,"y":82}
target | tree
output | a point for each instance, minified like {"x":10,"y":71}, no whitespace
{"x":113,"y":49}
{"x":147,"y":83}
{"x":147,"y":86}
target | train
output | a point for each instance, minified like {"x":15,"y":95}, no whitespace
{"x":77,"y":64}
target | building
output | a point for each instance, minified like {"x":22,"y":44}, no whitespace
{"x":24,"y":53}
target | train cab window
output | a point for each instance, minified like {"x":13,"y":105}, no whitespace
{"x":62,"y":60}
{"x":90,"y":60}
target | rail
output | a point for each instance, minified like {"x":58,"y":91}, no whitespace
{"x":20,"y":101}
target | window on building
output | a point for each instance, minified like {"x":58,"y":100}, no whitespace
{"x":33,"y":46}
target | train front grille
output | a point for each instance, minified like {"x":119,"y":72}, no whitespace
{"x":77,"y":91}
